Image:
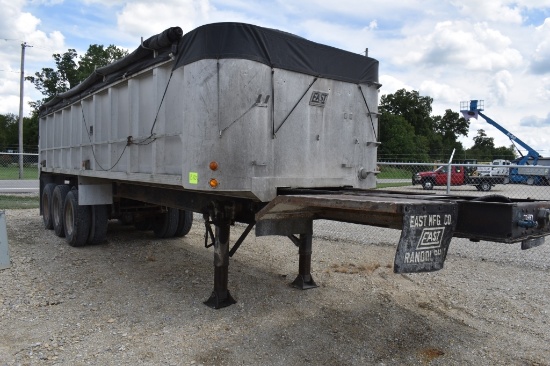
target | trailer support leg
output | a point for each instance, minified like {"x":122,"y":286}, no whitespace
{"x":304,"y":280}
{"x":221,"y":297}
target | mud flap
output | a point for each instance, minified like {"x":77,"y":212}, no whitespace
{"x":425,"y":237}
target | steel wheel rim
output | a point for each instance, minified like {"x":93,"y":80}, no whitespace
{"x":69,"y":218}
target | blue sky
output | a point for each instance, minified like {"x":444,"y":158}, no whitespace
{"x":449,"y":50}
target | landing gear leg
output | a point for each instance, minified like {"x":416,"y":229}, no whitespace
{"x":221,"y":297}
{"x":304,"y":280}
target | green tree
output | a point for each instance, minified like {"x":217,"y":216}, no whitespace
{"x":438,"y":134}
{"x":400,"y":142}
{"x":503,"y":152}
{"x":450,"y":127}
{"x":97,"y":56}
{"x":483,"y":147}
{"x":71,"y":70}
{"x":414,"y":108}
{"x":30,"y":133}
{"x":9,"y":131}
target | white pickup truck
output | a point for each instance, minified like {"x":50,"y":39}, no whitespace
{"x":498,"y":167}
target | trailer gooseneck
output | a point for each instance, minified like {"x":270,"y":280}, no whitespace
{"x":244,"y":124}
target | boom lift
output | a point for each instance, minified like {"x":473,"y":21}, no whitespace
{"x":472,"y":109}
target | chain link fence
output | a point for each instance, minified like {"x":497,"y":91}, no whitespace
{"x":18,"y":180}
{"x":518,"y":182}
{"x":512,"y":181}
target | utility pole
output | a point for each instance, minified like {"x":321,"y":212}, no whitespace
{"x":23,"y":46}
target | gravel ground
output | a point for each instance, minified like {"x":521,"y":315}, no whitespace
{"x":138,"y":300}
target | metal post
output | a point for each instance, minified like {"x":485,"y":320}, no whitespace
{"x":449,"y":168}
{"x":22,"y":82}
{"x":4,"y":251}
{"x":304,"y":280}
{"x":221,"y":297}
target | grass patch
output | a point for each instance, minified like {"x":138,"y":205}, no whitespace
{"x":12,"y":172}
{"x":389,"y":185}
{"x":10,"y":202}
{"x":389,"y":172}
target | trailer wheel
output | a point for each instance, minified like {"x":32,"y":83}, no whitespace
{"x":485,"y":186}
{"x":165,"y":225}
{"x":58,"y":198}
{"x":185,"y":221}
{"x":47,"y":216}
{"x":530,"y":181}
{"x":427,"y":184}
{"x":100,"y":220}
{"x":77,"y":220}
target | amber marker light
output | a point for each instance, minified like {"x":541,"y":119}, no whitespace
{"x":213,"y":165}
{"x":214,"y":183}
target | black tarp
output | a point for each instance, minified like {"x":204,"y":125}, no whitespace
{"x":229,"y":40}
{"x":276,"y":49}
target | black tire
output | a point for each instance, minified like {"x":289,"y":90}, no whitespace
{"x":165,"y":225}
{"x":58,"y":199}
{"x":46,"y":201}
{"x":185,"y":221}
{"x":77,"y":220}
{"x":428,"y":185}
{"x":485,"y":186}
{"x":98,"y":228}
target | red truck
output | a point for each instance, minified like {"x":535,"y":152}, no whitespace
{"x":459,"y":176}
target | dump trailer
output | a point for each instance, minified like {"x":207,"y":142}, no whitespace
{"x":244,"y":124}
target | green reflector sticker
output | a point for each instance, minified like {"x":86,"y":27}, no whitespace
{"x":193,"y":178}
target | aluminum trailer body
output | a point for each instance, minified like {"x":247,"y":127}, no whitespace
{"x":263,"y":125}
{"x":242,"y":124}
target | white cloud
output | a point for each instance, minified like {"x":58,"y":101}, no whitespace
{"x":46,"y":2}
{"x":19,"y":26}
{"x":501,"y":84}
{"x":443,"y":94}
{"x":534,"y":121}
{"x":543,"y":91}
{"x":449,"y":50}
{"x":491,"y":10}
{"x":187,"y":14}
{"x":540,"y":63}
{"x":391,"y":84}
{"x":459,"y":44}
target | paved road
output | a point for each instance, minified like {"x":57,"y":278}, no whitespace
{"x":19,"y":186}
